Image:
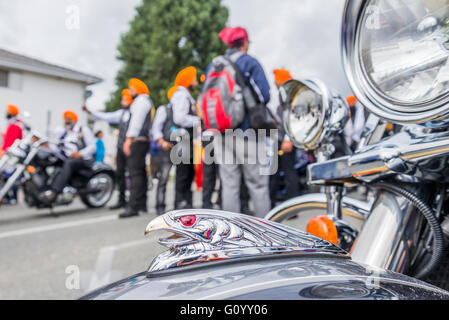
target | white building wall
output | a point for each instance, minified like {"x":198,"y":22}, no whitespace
{"x":40,"y":94}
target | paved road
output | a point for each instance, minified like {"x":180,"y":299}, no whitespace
{"x":39,"y":252}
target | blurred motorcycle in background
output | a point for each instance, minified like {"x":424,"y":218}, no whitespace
{"x":396,"y":58}
{"x":33,"y":163}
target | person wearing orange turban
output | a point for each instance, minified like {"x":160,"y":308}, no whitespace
{"x":351,"y":100}
{"x":127,"y":98}
{"x":187,"y":77}
{"x":14,"y":130}
{"x":80,"y":146}
{"x":355,"y":125}
{"x":136,"y":146}
{"x":184,"y":116}
{"x":137,"y":87}
{"x":121,"y":118}
{"x":161,"y":131}
{"x":12,"y":110}
{"x":70,"y":117}
{"x":281,"y":76}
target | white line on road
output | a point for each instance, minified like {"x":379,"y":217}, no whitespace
{"x":58,"y":226}
{"x":103,"y":268}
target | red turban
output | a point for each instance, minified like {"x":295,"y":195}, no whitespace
{"x":230,"y":35}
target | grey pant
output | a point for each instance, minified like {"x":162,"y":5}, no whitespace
{"x":244,"y":163}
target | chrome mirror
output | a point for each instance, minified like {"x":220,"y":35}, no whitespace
{"x":311,"y":112}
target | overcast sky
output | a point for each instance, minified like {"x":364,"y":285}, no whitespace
{"x":301,"y":35}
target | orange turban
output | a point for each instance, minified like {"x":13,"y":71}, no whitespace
{"x":12,"y":109}
{"x":71,"y":115}
{"x":139,"y":86}
{"x":127,"y":95}
{"x":282,"y":75}
{"x":186,"y":77}
{"x":351,"y":100}
{"x":171,"y":92}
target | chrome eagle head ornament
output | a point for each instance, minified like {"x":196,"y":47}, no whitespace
{"x":200,"y":236}
{"x":312,"y":112}
{"x":396,"y":58}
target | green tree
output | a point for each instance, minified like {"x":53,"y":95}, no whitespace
{"x":164,"y":37}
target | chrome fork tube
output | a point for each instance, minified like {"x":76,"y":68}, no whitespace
{"x":11,"y":180}
{"x":389,"y":235}
{"x":334,"y":198}
{"x":20,"y":168}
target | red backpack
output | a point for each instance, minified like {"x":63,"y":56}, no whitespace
{"x":222,"y":102}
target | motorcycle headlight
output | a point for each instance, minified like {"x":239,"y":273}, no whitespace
{"x":311,"y":112}
{"x":396,"y":57}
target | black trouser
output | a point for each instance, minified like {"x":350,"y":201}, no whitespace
{"x":165,"y":165}
{"x":138,"y":175}
{"x":185,"y":173}
{"x":69,"y":167}
{"x":244,"y":195}
{"x":210,"y":174}
{"x":291,"y":179}
{"x":120,"y":173}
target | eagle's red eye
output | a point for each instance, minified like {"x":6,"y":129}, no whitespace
{"x":188,"y":221}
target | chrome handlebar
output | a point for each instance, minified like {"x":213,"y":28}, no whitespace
{"x":405,"y":153}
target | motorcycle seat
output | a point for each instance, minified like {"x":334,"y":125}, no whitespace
{"x":85,"y":172}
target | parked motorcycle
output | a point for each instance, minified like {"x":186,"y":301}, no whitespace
{"x":396,"y":58}
{"x":33,"y":163}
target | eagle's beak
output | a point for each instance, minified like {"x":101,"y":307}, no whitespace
{"x":157,"y":224}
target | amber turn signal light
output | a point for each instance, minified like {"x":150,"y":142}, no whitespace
{"x":323,"y":227}
{"x":31,"y":169}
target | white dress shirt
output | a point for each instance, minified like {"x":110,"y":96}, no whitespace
{"x":111,"y":117}
{"x":140,"y":108}
{"x":182,"y":101}
{"x":71,"y":137}
{"x":158,"y":123}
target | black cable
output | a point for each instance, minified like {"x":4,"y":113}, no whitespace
{"x":426,"y":211}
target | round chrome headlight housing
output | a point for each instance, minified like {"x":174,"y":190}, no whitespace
{"x":396,"y":57}
{"x":311,"y":112}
